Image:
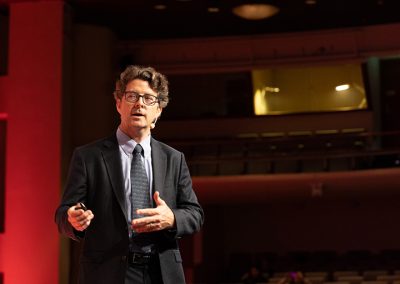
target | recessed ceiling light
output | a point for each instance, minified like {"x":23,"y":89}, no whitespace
{"x":160,"y":7}
{"x":271,"y":89}
{"x":213,"y":9}
{"x":311,"y":2}
{"x":255,"y":11}
{"x":343,"y":87}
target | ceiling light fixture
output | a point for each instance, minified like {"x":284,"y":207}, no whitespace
{"x":160,"y":7}
{"x":213,"y":9}
{"x":255,"y":11}
{"x":271,"y":89}
{"x":311,"y":2}
{"x":341,"y":88}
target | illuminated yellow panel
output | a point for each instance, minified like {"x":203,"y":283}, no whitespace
{"x":311,"y":89}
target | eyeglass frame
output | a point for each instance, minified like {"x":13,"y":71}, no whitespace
{"x":157,"y":99}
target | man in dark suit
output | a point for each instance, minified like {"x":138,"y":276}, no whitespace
{"x":124,"y":242}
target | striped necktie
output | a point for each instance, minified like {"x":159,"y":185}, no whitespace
{"x":140,"y":195}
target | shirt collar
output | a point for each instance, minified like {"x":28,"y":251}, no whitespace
{"x":128,"y":144}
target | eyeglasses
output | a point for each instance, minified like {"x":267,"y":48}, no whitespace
{"x":148,"y":100}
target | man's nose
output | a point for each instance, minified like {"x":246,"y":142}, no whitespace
{"x":140,"y":101}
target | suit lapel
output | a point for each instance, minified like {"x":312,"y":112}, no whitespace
{"x":112,"y":161}
{"x":159,"y":161}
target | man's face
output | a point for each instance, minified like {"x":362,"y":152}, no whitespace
{"x":137,"y":116}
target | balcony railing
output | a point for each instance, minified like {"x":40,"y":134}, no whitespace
{"x":295,"y":152}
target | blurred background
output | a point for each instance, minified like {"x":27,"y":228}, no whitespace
{"x":287,"y":112}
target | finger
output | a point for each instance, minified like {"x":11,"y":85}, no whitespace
{"x":81,"y":221}
{"x":85,"y":225}
{"x":155,"y":226}
{"x":80,"y":218}
{"x":74,"y":218}
{"x":146,"y":227}
{"x":137,"y":228}
{"x":80,"y":228}
{"x":75,"y":210}
{"x":72,"y":212}
{"x":147,"y":211}
{"x":156,"y":196}
{"x":76,"y":225}
{"x":91,"y":215}
{"x":144,"y":221}
{"x":159,"y":201}
{"x":149,"y":227}
{"x":81,"y":225}
{"x":86,"y":216}
{"x":152,"y":227}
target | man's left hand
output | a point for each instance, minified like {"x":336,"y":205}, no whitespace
{"x":155,"y":219}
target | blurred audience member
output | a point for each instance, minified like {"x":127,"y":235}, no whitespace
{"x":253,"y":276}
{"x":294,"y":278}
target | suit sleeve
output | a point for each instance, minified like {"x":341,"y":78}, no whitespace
{"x":189,"y":215}
{"x":75,"y":191}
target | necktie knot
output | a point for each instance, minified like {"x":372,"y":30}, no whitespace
{"x":138,"y":149}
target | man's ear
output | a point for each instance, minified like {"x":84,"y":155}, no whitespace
{"x":153,"y":124}
{"x":118,"y":104}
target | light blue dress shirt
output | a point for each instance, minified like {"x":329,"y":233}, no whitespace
{"x":126,"y":146}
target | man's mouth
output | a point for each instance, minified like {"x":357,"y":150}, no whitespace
{"x":137,"y":114}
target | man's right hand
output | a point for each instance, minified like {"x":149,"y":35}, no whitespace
{"x":78,"y":218}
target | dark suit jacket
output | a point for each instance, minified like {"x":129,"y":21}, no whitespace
{"x":96,"y":179}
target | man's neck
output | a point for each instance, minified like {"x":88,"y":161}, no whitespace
{"x":136,"y":134}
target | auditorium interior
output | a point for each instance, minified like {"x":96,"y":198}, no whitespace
{"x":290,"y":125}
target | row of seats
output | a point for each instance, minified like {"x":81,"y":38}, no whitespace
{"x":328,"y":282}
{"x":349,"y":276}
{"x":339,"y":277}
{"x":313,"y":280}
{"x":361,"y":265}
{"x":285,"y":155}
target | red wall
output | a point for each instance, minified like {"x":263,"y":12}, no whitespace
{"x":31,"y":97}
{"x":3,"y":124}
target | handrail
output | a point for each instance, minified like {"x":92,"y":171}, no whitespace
{"x":300,"y":149}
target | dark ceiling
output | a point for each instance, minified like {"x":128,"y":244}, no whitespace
{"x":138,"y":19}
